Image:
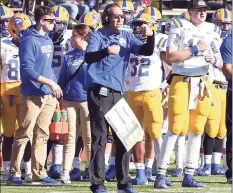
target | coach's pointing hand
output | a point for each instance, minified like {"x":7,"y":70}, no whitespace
{"x":146,"y":30}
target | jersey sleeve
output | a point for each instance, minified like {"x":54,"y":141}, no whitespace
{"x":162,"y":44}
{"x":27,"y":60}
{"x":3,"y":52}
{"x":174,"y":38}
{"x":135,"y":44}
{"x":93,"y":43}
{"x":62,"y":76}
{"x":215,"y":47}
{"x":226,"y":51}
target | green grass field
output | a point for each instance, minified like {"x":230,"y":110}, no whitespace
{"x":214,"y":184}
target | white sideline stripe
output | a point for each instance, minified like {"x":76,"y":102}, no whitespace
{"x":171,"y":190}
{"x":212,"y":190}
{"x":196,"y":190}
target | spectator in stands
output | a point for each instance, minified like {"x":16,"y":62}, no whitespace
{"x":229,"y":4}
{"x":82,"y":6}
{"x":104,"y":4}
{"x":14,"y":3}
{"x":91,"y":4}
{"x":74,"y":7}
{"x":70,"y":6}
{"x":147,"y":2}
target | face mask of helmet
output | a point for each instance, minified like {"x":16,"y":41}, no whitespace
{"x":19,"y":35}
{"x":129,"y":17}
{"x":60,"y":27}
{"x":226,"y":32}
{"x":57,"y":34}
{"x":137,"y":30}
{"x":158,"y":23}
{"x":4,"y":29}
{"x":167,"y":27}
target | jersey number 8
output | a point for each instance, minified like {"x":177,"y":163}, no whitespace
{"x":13,"y":73}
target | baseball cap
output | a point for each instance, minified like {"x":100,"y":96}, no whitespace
{"x":196,"y":4}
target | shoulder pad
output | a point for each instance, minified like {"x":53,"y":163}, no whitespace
{"x":177,"y":23}
{"x":162,"y":42}
{"x":212,"y":27}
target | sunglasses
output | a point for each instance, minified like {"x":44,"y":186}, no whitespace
{"x":51,"y":21}
{"x":116,"y":16}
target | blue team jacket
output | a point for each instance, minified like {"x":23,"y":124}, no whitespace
{"x":36,"y":55}
{"x":74,"y":90}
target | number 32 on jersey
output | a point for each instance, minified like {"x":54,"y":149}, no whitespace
{"x":140,"y":66}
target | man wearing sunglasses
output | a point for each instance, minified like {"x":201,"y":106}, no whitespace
{"x":108,"y":54}
{"x":39,"y":91}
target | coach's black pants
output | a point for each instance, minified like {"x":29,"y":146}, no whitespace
{"x":229,"y":133}
{"x":98,"y":106}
